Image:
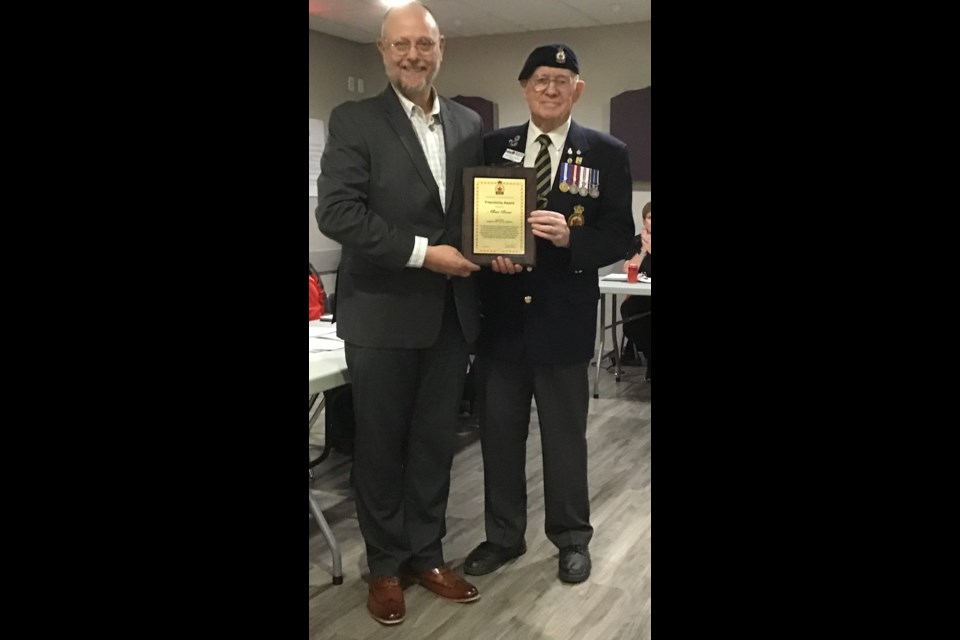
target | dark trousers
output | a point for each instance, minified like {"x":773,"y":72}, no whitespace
{"x":406,"y":403}
{"x":562,"y":397}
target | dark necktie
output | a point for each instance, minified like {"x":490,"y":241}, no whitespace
{"x":542,"y":167}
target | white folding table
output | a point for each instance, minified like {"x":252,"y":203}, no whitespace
{"x":611,"y":285}
{"x":328,"y":370}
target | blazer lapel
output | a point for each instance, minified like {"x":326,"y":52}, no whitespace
{"x":400,"y":122}
{"x":452,"y":134}
{"x":521,"y":134}
{"x":577,"y":141}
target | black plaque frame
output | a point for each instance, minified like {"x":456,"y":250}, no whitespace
{"x":529,"y":257}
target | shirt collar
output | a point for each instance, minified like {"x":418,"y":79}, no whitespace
{"x":558,"y":136}
{"x":408,"y":105}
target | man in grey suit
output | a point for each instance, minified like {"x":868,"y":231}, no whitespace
{"x":390,"y":192}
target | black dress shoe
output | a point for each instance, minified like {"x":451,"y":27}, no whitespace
{"x":488,"y":557}
{"x":574,"y":563}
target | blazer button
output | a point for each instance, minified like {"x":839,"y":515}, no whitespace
{"x":529,"y":268}
{"x":528,"y":299}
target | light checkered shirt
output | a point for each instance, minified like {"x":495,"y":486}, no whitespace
{"x":429,"y":132}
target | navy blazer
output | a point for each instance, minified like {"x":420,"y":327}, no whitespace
{"x":374,"y":194}
{"x":547,"y":314}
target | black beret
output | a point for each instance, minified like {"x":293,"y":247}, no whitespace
{"x":550,"y":55}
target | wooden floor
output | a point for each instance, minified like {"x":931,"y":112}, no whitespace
{"x":524,"y":599}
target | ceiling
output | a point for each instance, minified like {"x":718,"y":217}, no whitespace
{"x":359,"y":20}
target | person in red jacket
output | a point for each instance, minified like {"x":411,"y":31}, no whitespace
{"x":318,"y":297}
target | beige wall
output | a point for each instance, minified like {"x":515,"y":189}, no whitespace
{"x":613,"y":59}
{"x":332,"y":60}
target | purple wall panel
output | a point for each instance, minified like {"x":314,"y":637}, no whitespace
{"x":486,"y":109}
{"x":630,"y":122}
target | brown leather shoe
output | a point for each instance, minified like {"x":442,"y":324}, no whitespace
{"x":447,"y":584}
{"x":385,"y":602}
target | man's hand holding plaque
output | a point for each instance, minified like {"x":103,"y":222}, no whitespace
{"x":505,"y":265}
{"x":448,"y":261}
{"x":548,"y":225}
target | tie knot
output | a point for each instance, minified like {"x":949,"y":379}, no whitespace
{"x":543,"y":139}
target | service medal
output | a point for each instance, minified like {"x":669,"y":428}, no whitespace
{"x":564,"y":177}
{"x":583,"y":184}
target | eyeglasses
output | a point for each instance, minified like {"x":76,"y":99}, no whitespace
{"x":424,"y":45}
{"x":562,"y":83}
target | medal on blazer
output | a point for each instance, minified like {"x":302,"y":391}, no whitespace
{"x":594,"y":184}
{"x":564,"y":177}
{"x":583,"y":186}
{"x":574,"y":180}
{"x":576,"y":220}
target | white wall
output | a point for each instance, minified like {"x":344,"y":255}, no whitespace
{"x":613,"y":59}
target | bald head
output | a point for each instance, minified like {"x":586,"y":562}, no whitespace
{"x":412,"y":50}
{"x":413,"y":9}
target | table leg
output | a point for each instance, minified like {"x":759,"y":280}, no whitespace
{"x":316,"y":405}
{"x":337,"y":571}
{"x":613,"y":332}
{"x":603,"y":331}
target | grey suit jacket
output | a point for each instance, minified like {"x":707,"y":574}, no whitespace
{"x":375,"y":194}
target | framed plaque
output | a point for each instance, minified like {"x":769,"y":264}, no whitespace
{"x":497,"y":202}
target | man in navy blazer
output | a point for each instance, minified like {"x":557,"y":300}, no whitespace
{"x":390,"y":192}
{"x":538,"y":325}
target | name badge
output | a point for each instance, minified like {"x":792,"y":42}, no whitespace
{"x":513,"y":155}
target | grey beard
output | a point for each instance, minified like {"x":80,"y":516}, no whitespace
{"x":410,"y":92}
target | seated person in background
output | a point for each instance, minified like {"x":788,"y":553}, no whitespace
{"x":638,"y":330}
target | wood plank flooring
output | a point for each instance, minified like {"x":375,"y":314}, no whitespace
{"x":524,"y":599}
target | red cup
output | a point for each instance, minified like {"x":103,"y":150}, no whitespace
{"x":632,"y":271}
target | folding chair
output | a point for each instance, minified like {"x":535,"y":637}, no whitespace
{"x":316,"y":409}
{"x":337,"y":567}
